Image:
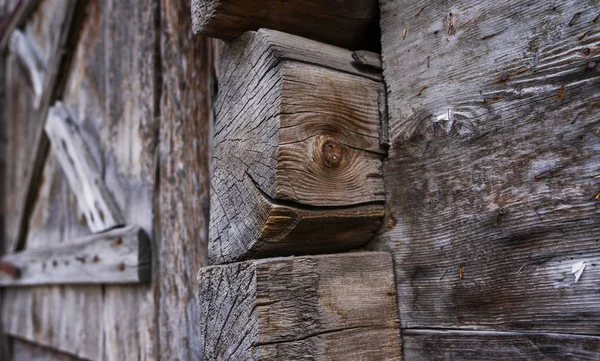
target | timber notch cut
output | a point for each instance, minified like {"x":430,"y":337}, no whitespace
{"x":327,"y":307}
{"x":350,"y":24}
{"x":297,"y":159}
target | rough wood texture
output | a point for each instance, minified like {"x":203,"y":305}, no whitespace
{"x":53,"y":27}
{"x":492,"y":179}
{"x":183,"y":202}
{"x":297,"y":157}
{"x":432,"y":345}
{"x":94,"y":199}
{"x":334,"y":307}
{"x":30,"y":58}
{"x":25,"y":351}
{"x":118,"y":256}
{"x":346,"y":23}
{"x":19,"y":11}
{"x":114,"y":100}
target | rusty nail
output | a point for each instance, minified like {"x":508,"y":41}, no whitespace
{"x":96,"y":259}
{"x":54,"y":263}
{"x":122,"y":267}
{"x":10,"y":269}
{"x":332,"y":152}
{"x":117,"y":242}
{"x":586,"y":51}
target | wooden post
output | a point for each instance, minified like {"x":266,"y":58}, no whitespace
{"x":334,"y":307}
{"x":347,"y":23}
{"x":297,"y":157}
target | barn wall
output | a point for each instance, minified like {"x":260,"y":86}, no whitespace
{"x":492,"y":178}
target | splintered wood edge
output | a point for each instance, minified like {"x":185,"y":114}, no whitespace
{"x":93,"y":197}
{"x":115,"y":257}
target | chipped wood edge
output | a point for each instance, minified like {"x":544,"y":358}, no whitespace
{"x":116,"y":257}
{"x":93,"y":197}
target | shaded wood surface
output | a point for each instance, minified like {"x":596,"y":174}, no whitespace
{"x":26,"y":351}
{"x":114,"y":103}
{"x":31,"y":60}
{"x":351,"y":23}
{"x":188,"y":76}
{"x":94,"y":199}
{"x":492,"y":180}
{"x":432,"y":345}
{"x":296,"y":149}
{"x":334,"y":307}
{"x":118,"y":256}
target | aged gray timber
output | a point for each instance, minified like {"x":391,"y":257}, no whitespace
{"x":440,"y":345}
{"x":93,"y":197}
{"x":333,"y":307}
{"x":297,"y":157}
{"x":26,"y":351}
{"x":184,"y":177}
{"x":31,"y":60}
{"x":347,"y":23}
{"x":118,"y":256}
{"x":494,"y":170}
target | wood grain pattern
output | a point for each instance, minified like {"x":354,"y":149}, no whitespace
{"x":94,"y":199}
{"x":492,"y":178}
{"x":30,"y":58}
{"x":440,"y":345}
{"x":118,"y":256}
{"x":334,"y":307}
{"x":351,"y":24}
{"x":186,"y":106}
{"x":26,"y":351}
{"x":296,"y":145}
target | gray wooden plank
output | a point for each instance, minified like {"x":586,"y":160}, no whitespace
{"x":351,"y":23}
{"x":94,"y":199}
{"x":31,"y":59}
{"x":492,"y":177}
{"x":456,"y":345}
{"x":118,"y":256}
{"x":184,"y":162}
{"x":327,"y":307}
{"x":297,"y":158}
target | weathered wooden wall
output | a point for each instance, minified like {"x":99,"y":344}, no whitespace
{"x":492,"y":178}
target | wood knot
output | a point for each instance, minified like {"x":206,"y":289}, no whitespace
{"x":332,"y":152}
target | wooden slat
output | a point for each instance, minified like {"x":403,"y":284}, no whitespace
{"x":118,"y":256}
{"x":454,"y":345}
{"x":492,"y":178}
{"x":20,"y":14}
{"x":55,"y":28}
{"x":184,"y":177}
{"x":29,"y":56}
{"x":297,"y":157}
{"x":93,"y":197}
{"x":347,"y":23}
{"x":334,"y":307}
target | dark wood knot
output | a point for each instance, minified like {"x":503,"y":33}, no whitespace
{"x":333,"y":152}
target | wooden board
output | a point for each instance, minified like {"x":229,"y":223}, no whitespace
{"x":440,"y":345}
{"x":184,"y":163}
{"x":25,"y":351}
{"x":93,"y":197}
{"x":118,"y":256}
{"x":297,"y":158}
{"x":350,"y":23}
{"x":333,"y":307}
{"x":30,"y":58}
{"x":492,"y":179}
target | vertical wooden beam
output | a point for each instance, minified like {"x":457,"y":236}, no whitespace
{"x":188,"y":65}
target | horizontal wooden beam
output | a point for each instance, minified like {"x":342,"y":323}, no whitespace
{"x":333,"y":307}
{"x":85,"y":179}
{"x":118,"y":256}
{"x":297,"y":159}
{"x":347,"y":23}
{"x":456,"y":345}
